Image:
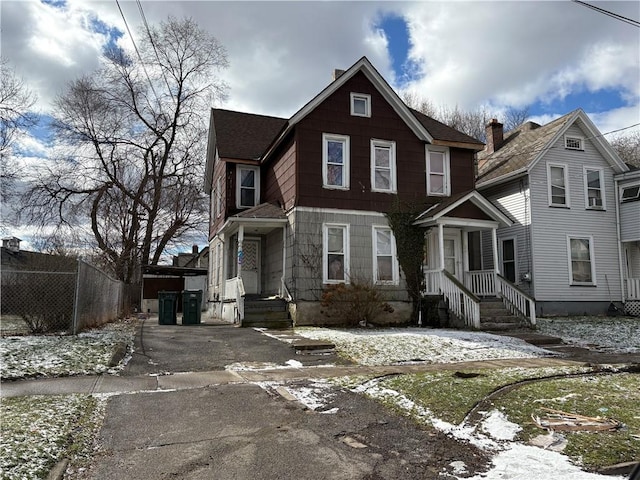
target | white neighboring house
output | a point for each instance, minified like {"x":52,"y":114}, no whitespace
{"x":629,"y":207}
{"x":556,"y":182}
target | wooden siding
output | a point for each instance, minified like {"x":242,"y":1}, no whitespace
{"x":306,"y":252}
{"x":280,"y":178}
{"x":333,"y":116}
{"x":513,"y":199}
{"x":550,"y":227}
{"x":220,"y":170}
{"x":469,"y":210}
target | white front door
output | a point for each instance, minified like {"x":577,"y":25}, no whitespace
{"x":452,"y":254}
{"x":251,"y":266}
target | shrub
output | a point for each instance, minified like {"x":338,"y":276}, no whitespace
{"x":357,"y":304}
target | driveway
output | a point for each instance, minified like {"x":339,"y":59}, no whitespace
{"x":253,"y":430}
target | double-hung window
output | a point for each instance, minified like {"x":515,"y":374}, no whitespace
{"x":335,"y":253}
{"x":248,"y":186}
{"x":335,"y":161}
{"x":383,"y":166}
{"x":385,"y":263}
{"x":558,"y":185}
{"x":594,"y":188}
{"x":438,"y":177}
{"x":582,"y":270}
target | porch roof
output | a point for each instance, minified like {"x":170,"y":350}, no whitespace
{"x":451,"y":210}
{"x":260,"y":219}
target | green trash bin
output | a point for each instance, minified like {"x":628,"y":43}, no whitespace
{"x":167,"y":308}
{"x":191,"y":307}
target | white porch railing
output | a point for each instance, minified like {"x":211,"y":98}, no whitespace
{"x":464,"y":304}
{"x":481,"y":282}
{"x":234,"y":289}
{"x":633,"y":288}
{"x":515,"y":300}
{"x":432,"y":282}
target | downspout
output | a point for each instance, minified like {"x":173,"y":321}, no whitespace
{"x":623,"y":294}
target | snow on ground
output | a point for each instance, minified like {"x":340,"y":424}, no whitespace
{"x":406,"y":345}
{"x":608,"y":334}
{"x":54,"y":355}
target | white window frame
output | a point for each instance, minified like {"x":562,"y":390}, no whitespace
{"x":446,"y":174}
{"x":574,"y":138}
{"x":329,"y":137}
{"x":588,"y":206}
{"x":565,"y":171}
{"x":325,"y":252}
{"x":367,"y":100}
{"x":592,"y":259}
{"x":256,"y":185}
{"x":629,"y":187}
{"x":394,"y":258}
{"x":516,"y":280}
{"x":393,"y":183}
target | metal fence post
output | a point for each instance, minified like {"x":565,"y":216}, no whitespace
{"x":76,"y":309}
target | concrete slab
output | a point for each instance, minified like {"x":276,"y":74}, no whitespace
{"x":48,"y":386}
{"x":181,"y":381}
{"x":310,"y":344}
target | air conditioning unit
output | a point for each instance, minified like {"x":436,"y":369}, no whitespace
{"x":595,"y":202}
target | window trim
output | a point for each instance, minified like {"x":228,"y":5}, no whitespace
{"x":446,"y":174}
{"x":623,"y":188}
{"x":325,"y":252}
{"x":565,"y":170}
{"x":395,"y":277}
{"x":592,"y":260}
{"x":391,"y":145}
{"x":326,"y":138}
{"x":256,"y":186}
{"x":577,"y":138}
{"x":360,"y":96}
{"x":600,"y":171}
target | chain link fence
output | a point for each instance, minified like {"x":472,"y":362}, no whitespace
{"x":35,"y":301}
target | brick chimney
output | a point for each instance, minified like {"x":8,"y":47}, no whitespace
{"x":495,"y":136}
{"x":11,"y":243}
{"x":336,"y":74}
{"x":194,"y":250}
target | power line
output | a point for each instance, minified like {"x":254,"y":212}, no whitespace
{"x":630,"y":21}
{"x":135,"y":47}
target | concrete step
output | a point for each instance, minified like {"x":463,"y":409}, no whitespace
{"x":499,"y":326}
{"x":265,"y":305}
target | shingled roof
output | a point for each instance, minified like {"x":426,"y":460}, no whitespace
{"x":521,"y":146}
{"x":445,"y":133}
{"x":244,"y":136}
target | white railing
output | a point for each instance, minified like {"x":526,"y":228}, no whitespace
{"x":633,"y":288}
{"x":481,"y":282}
{"x":516,"y":301}
{"x":432,"y":282}
{"x":464,"y":304}
{"x":234,"y":290}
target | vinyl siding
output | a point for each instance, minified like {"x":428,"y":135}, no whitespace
{"x":272,"y":261}
{"x":307,"y":251}
{"x":550,"y":227}
{"x":513,"y":199}
{"x":629,"y":216}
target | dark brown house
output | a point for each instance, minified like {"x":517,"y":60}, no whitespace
{"x":299,"y":203}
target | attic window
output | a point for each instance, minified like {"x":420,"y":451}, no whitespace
{"x":573,"y":143}
{"x":630,"y":194}
{"x":360,"y":105}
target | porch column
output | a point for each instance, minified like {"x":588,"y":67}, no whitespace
{"x":441,"y":245}
{"x":240,"y":252}
{"x":284,"y":259}
{"x":465,"y":256}
{"x":494,"y":241}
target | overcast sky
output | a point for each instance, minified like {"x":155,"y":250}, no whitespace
{"x":551,"y":56}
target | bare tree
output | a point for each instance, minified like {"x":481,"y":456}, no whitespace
{"x":627,"y":146}
{"x":135,"y":133}
{"x":515,"y":117}
{"x":16,"y":103}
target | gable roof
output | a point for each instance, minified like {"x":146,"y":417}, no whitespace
{"x":444,"y":135}
{"x":434,"y":213}
{"x":525,"y":145}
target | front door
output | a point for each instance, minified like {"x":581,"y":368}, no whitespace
{"x":452,"y":254}
{"x":251,"y":266}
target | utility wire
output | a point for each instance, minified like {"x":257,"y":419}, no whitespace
{"x":126,"y":24}
{"x":630,"y":21}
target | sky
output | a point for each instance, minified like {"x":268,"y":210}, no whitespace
{"x":550,"y":57}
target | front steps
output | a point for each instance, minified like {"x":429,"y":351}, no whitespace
{"x":265,"y":312}
{"x":495,"y":317}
